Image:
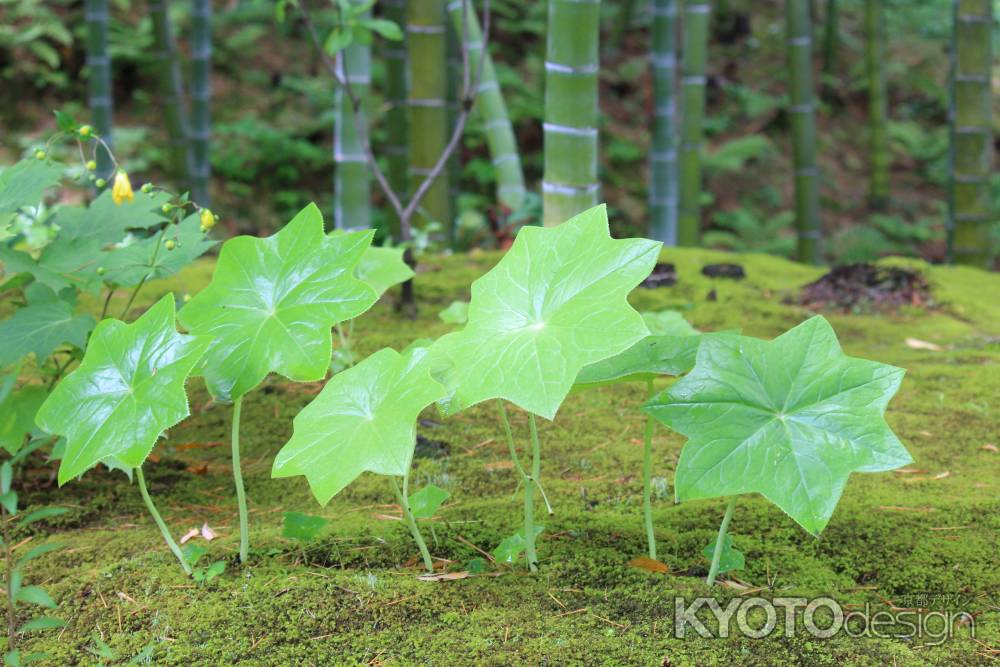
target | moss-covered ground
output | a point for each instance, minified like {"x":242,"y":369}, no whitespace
{"x":353,"y":597}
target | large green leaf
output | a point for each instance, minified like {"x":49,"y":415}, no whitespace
{"x":731,"y":558}
{"x":381,"y":268}
{"x":24,"y":183}
{"x":363,"y":420}
{"x":555,"y":303}
{"x":272,"y":302}
{"x":790,"y":419}
{"x":671,"y":350}
{"x":140,"y":261}
{"x":44,"y":324}
{"x":15,"y":262}
{"x":128,"y":389}
{"x":17,"y":416}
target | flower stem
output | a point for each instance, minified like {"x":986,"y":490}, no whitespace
{"x":404,"y":503}
{"x":159,"y":520}
{"x":647,"y":478}
{"x":720,"y":542}
{"x":241,"y":494}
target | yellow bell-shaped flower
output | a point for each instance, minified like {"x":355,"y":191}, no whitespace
{"x":122,"y":189}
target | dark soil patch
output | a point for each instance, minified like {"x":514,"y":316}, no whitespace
{"x":664,"y":275}
{"x":866,"y":286}
{"x":431,"y":449}
{"x":731,"y":271}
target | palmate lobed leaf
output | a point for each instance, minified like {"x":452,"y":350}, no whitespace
{"x":128,"y":389}
{"x":141,"y":260}
{"x":731,"y":558}
{"x":789,"y":419}
{"x":17,"y":416}
{"x":555,"y":303}
{"x":44,"y":324}
{"x":381,"y":268}
{"x":670,"y":350}
{"x":425,"y":502}
{"x":364,"y":420}
{"x":272,"y":302}
{"x":24,"y":183}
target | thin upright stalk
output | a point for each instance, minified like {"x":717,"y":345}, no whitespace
{"x":241,"y":495}
{"x":159,"y":520}
{"x":971,"y":155}
{"x":404,"y":504}
{"x":720,"y":542}
{"x":570,"y":183}
{"x":201,"y":100}
{"x":171,"y":91}
{"x":99,"y":96}
{"x":803,"y":119}
{"x":9,"y":565}
{"x":878,"y":135}
{"x":623,"y":22}
{"x":426,"y":59}
{"x":647,"y":477}
{"x":395,"y":148}
{"x":663,"y":153}
{"x":351,"y":182}
{"x":529,"y":496}
{"x":492,"y":109}
{"x":693,"y":63}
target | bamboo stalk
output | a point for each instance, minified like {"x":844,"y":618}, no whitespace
{"x":171,"y":91}
{"x":831,"y":37}
{"x":971,"y":155}
{"x":878,"y":136}
{"x":492,"y":110}
{"x":426,"y":59}
{"x":623,"y":22}
{"x":99,"y":97}
{"x":663,"y":155}
{"x":201,"y":99}
{"x":803,"y":120}
{"x":396,"y":115}
{"x":693,"y":63}
{"x":570,"y":184}
{"x":351,"y":181}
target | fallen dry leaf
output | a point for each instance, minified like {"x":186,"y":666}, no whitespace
{"x":197,"y":470}
{"x":207,"y":532}
{"x":648,"y":564}
{"x":990,"y":447}
{"x":908,"y":471}
{"x":499,"y":465}
{"x":190,"y":535}
{"x":918,"y":344}
{"x":444,"y":576}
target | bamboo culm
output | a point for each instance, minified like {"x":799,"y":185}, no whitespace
{"x":570,"y":183}
{"x":803,"y":121}
{"x":831,"y":37}
{"x":99,"y":93}
{"x":351,"y":180}
{"x":426,"y":50}
{"x":396,"y":115}
{"x":171,"y":91}
{"x":663,"y":156}
{"x":695,"y":50}
{"x":201,"y":100}
{"x":971,"y":154}
{"x":878,"y":135}
{"x":492,"y":110}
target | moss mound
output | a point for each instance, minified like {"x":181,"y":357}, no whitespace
{"x":352,"y":597}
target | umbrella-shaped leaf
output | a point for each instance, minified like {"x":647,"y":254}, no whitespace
{"x":272,"y":302}
{"x":790,"y":419}
{"x":671,"y":350}
{"x":511,"y":548}
{"x":425,"y":502}
{"x":44,"y":324}
{"x":128,"y":389}
{"x":303,"y":527}
{"x":555,"y":303}
{"x":381,"y":268}
{"x":363,"y":420}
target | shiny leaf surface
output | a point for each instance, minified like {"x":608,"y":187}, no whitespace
{"x":128,"y":389}
{"x":790,"y":419}
{"x":272,"y":302}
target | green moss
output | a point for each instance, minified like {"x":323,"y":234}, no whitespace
{"x":352,"y":596}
